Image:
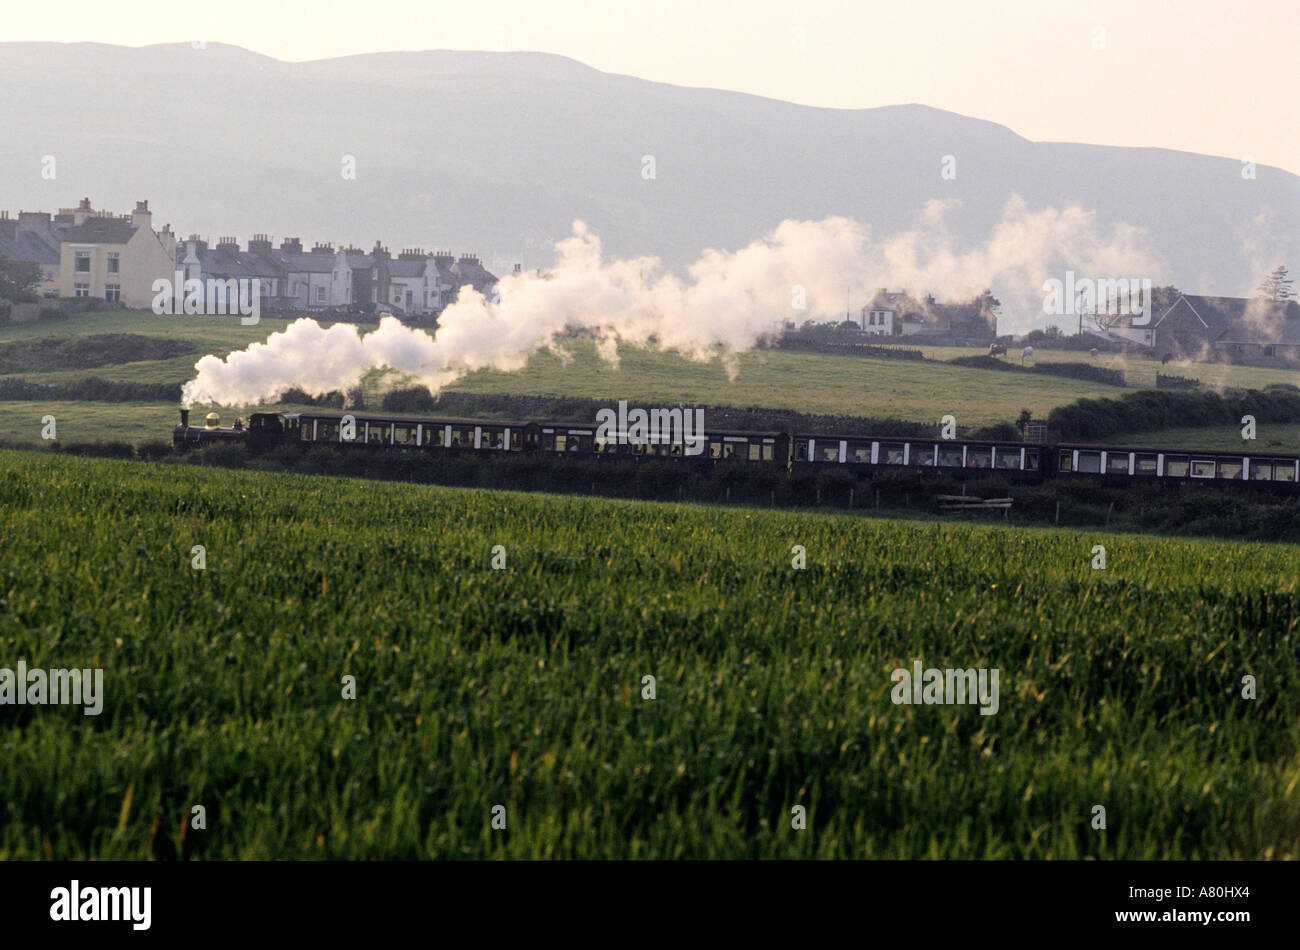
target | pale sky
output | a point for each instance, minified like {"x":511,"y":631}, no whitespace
{"x":1196,"y":75}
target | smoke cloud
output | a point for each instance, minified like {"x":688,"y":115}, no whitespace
{"x":725,"y":305}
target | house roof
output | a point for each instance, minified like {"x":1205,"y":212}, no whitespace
{"x":406,"y":268}
{"x":960,"y":314}
{"x":1240,"y":319}
{"x":304,"y":263}
{"x":29,"y":247}
{"x":471,"y":272}
{"x":218,"y":262}
{"x":99,"y":231}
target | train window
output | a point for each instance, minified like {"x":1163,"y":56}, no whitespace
{"x":1202,"y":468}
{"x":377,"y":432}
{"x":921,"y":454}
{"x":1283,"y":471}
{"x":677,"y":449}
{"x":462,"y":438}
{"x":1117,"y":463}
{"x":1067,"y":461}
{"x":979,"y":458}
{"x":1007,"y":458}
{"x":435,"y":435}
{"x":515,"y":441}
{"x":768,"y":451}
{"x":1176,"y":466}
{"x":891,"y":453}
{"x":950,"y":456}
{"x":404,"y":435}
{"x":1090,"y":462}
{"x":801,"y":451}
{"x":830,"y":453}
{"x":327,"y":431}
{"x":492,"y":439}
{"x":728,"y":450}
{"x":1031,"y":460}
{"x":1146,"y":463}
{"x":755,"y":452}
{"x":1229,"y":468}
{"x":308,"y":430}
{"x":1261,"y":470}
{"x":715,"y":449}
{"x":575,"y":443}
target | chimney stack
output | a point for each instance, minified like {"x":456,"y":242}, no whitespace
{"x":141,"y":217}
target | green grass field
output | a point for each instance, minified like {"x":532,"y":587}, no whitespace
{"x":1269,"y":438}
{"x":523,"y":687}
{"x":774,"y":379}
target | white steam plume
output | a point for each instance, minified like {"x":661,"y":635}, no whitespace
{"x":729,"y":301}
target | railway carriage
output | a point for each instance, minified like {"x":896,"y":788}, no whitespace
{"x":1118,"y":463}
{"x":1016,"y":460}
{"x":963,"y":458}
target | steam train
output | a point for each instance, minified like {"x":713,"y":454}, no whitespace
{"x":1016,"y":461}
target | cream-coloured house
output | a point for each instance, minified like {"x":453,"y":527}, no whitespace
{"x":116,"y":258}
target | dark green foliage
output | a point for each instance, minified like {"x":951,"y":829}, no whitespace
{"x":90,"y":389}
{"x":1145,"y":410}
{"x":89,"y":351}
{"x":1070,"y":370}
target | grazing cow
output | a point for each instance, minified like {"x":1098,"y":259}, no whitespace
{"x":997,"y":349}
{"x":1164,"y":360}
{"x":1027,"y":354}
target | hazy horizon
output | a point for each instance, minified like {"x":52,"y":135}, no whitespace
{"x":1109,"y":76}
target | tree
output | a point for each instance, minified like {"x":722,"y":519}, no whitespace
{"x":1022,"y":421}
{"x":1277,"y":286}
{"x":18,"y":280}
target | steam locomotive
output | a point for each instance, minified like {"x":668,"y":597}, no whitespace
{"x":1016,"y":461}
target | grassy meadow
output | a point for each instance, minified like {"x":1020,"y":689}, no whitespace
{"x":523,"y":687}
{"x":775,"y":379}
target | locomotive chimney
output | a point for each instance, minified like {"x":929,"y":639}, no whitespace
{"x":185,"y":417}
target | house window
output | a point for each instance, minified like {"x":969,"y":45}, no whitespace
{"x":320,"y":294}
{"x":83,"y":262}
{"x":113,"y":293}
{"x":81,"y":290}
{"x":114,"y":260}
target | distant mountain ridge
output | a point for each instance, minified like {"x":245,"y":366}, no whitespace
{"x":497,"y":153}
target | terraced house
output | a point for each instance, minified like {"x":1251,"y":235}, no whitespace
{"x":83,"y":252}
{"x":414,"y":284}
